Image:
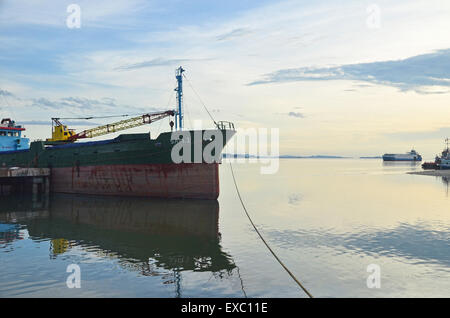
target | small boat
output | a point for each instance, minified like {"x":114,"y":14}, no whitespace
{"x":409,"y":156}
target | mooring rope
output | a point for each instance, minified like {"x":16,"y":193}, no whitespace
{"x":200,"y":99}
{"x":262,"y":238}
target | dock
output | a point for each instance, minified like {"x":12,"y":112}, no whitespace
{"x":435,"y":173}
{"x":24,"y":180}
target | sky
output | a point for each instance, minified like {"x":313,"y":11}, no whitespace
{"x":350,"y":78}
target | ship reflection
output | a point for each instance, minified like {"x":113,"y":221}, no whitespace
{"x":445,"y":181}
{"x":153,"y":237}
{"x":402,"y":164}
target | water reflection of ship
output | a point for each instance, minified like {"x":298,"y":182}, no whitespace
{"x":401,"y":163}
{"x":9,"y":233}
{"x":14,"y":209}
{"x":446,"y":181}
{"x":151,"y":236}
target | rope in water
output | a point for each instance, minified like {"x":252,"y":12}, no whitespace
{"x":264,"y":241}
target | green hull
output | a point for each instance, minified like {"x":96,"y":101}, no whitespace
{"x":127,"y":149}
{"x":129,"y":165}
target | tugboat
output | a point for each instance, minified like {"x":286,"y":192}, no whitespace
{"x":444,"y":160}
{"x":11,"y":136}
{"x":409,"y":156}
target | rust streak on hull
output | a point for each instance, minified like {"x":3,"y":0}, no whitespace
{"x":193,"y":181}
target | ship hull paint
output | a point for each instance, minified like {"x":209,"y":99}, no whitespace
{"x":190,"y":181}
{"x":445,"y":164}
{"x":401,"y":158}
{"x":393,"y":159}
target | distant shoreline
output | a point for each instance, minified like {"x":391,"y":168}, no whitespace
{"x":239,"y":156}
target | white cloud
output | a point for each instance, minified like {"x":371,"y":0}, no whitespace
{"x":98,"y":13}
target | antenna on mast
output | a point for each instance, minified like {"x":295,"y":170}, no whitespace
{"x":179,"y":90}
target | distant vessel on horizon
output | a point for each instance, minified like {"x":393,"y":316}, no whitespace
{"x":409,"y":156}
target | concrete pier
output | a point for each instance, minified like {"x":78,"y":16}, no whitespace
{"x":24,"y":180}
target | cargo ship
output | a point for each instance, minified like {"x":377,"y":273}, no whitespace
{"x":409,"y":156}
{"x":130,"y":164}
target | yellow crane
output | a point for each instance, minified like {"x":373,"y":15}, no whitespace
{"x":60,"y":132}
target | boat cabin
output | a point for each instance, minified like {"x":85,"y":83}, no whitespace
{"x":11,"y":136}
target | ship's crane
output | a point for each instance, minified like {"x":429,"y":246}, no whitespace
{"x":60,"y":132}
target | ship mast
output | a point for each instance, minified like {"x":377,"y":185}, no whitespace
{"x":179,"y":90}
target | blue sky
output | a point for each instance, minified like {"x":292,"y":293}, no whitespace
{"x":314,"y":69}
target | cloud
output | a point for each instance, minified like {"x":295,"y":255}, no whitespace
{"x":292,"y":114}
{"x":100,"y":13}
{"x":70,"y":123}
{"x":296,"y":114}
{"x":295,"y":198}
{"x":425,"y":74}
{"x":414,"y":136}
{"x":152,"y":63}
{"x":6,"y":93}
{"x":32,"y":109}
{"x":236,"y":33}
{"x":77,"y":103}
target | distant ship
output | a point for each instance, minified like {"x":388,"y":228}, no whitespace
{"x":409,"y":156}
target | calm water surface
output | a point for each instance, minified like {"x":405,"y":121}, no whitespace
{"x":327,"y":219}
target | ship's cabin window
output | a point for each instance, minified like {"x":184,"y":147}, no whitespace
{"x":2,"y":133}
{"x":10,"y":134}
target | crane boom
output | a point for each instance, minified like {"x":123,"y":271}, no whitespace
{"x":122,"y":125}
{"x":61,"y":133}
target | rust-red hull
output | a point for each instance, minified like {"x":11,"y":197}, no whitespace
{"x":196,"y":181}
